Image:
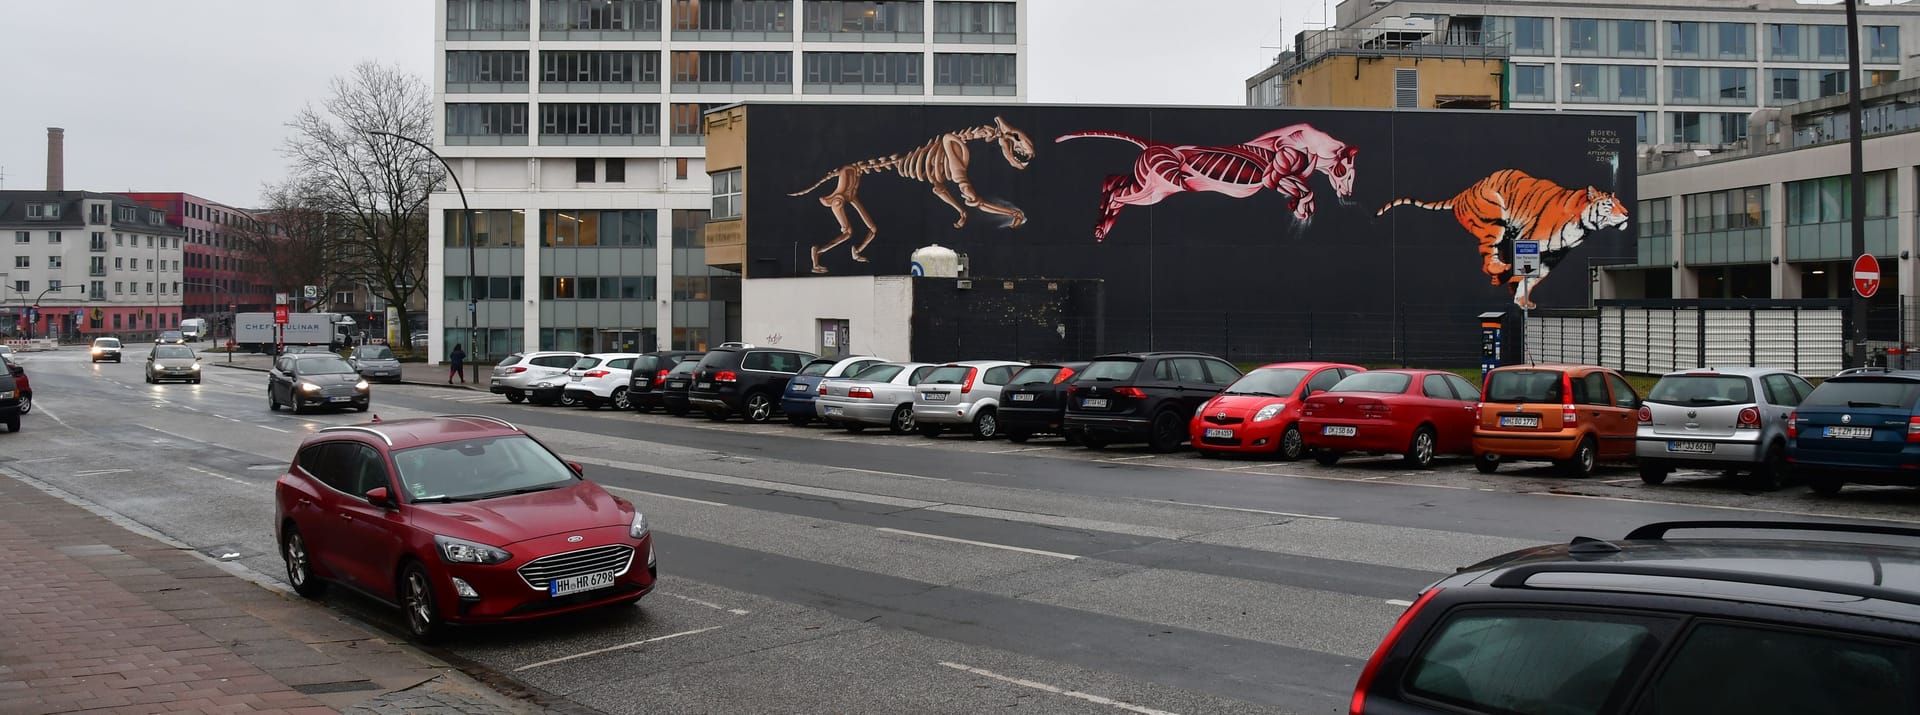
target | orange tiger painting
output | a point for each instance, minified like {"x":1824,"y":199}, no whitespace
{"x":1510,"y":206}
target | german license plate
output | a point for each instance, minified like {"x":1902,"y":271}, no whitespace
{"x":1023,"y":397}
{"x":339,"y":399}
{"x":575,"y":378}
{"x":935,"y":396}
{"x":1217,"y":433}
{"x":640,"y":382}
{"x":704,"y":385}
{"x":799,"y":388}
{"x":676,"y":385}
{"x":1850,"y":433}
{"x":583,"y":582}
{"x":1520,"y":421}
{"x":833,"y":411}
{"x":1691,"y":447}
{"x":1340,"y":431}
{"x":1094,"y":402}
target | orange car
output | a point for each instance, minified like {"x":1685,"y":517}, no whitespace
{"x":1573,"y":415}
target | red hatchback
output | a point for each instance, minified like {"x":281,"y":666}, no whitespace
{"x":1260,"y":412}
{"x":456,"y":519}
{"x":1415,"y":413}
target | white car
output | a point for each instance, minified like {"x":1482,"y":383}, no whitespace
{"x":520,"y":373}
{"x":962,"y":394}
{"x":599,"y":380}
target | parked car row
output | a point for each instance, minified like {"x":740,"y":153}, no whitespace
{"x":1861,"y":427}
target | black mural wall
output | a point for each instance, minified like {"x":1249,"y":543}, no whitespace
{"x":1265,"y":232}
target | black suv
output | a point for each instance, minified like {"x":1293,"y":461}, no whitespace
{"x":737,"y":377}
{"x":1035,"y":402}
{"x":1652,"y":625}
{"x":1143,"y":397}
{"x":10,"y":402}
{"x":649,"y":373}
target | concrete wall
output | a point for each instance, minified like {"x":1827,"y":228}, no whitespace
{"x":1368,"y":82}
{"x":787,"y":311}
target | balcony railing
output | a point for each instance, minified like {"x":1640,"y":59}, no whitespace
{"x":97,"y":271}
{"x":97,"y":246}
{"x":97,"y":296}
{"x":1386,"y":42}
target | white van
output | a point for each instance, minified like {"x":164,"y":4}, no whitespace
{"x":194,"y":329}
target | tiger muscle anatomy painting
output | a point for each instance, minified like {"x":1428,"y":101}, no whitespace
{"x":941,"y":161}
{"x":1510,"y":206}
{"x":1280,"y":160}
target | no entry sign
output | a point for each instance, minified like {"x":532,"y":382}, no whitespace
{"x":280,"y":314}
{"x":1866,"y":275}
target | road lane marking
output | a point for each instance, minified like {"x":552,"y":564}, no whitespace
{"x":1255,"y":511}
{"x":1619,"y":481}
{"x":610,"y":649}
{"x":223,"y":476}
{"x":1063,"y":522}
{"x":1254,"y":466}
{"x":1056,"y":690}
{"x":276,"y":429}
{"x":96,"y":472}
{"x":665,"y":496}
{"x":1022,"y":449}
{"x":708,"y":604}
{"x":889,"y":474}
{"x":42,"y":459}
{"x":1129,"y":459}
{"x":1004,"y":547}
{"x":1399,"y":602}
{"x":50,"y":415}
{"x":761,"y":484}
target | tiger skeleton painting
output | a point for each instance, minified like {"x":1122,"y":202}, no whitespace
{"x":941,"y":161}
{"x":1510,"y":206}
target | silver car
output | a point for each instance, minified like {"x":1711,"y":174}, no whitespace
{"x":516,"y":375}
{"x":375,"y":362}
{"x":1732,"y":419}
{"x":881,"y":396}
{"x":963,"y":394}
{"x":173,"y":362}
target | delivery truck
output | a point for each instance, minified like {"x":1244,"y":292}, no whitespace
{"x":254,"y":332}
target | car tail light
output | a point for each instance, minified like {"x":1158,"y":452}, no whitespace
{"x":596,"y":373}
{"x":967,"y":386}
{"x":1359,"y":704}
{"x":1913,"y":429}
{"x":1568,"y":415}
{"x":515,"y":370}
{"x":861,"y":392}
{"x":1749,"y":419}
{"x":1072,"y":389}
{"x":1066,"y":373}
{"x":661,"y":375}
{"x":1646,"y":413}
{"x":823,"y":388}
{"x":726,"y":376}
{"x":1477,"y":408}
{"x":1133,"y":392}
{"x":1793,"y":425}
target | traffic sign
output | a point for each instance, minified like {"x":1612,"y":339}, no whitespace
{"x":280,"y":315}
{"x":312,"y":292}
{"x":279,"y":299}
{"x":1866,"y":275}
{"x":1526,"y":258}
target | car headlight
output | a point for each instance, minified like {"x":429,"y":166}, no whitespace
{"x":196,"y":367}
{"x":361,"y":386}
{"x":8,"y":395}
{"x":639,"y":528}
{"x":309,"y":387}
{"x":461,"y":551}
{"x":1269,"y":412}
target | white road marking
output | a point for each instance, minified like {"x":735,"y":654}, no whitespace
{"x":1619,"y":481}
{"x":889,"y":474}
{"x":1399,"y":602}
{"x":222,"y":476}
{"x":763,"y":484}
{"x":1022,"y":449}
{"x":1257,"y":511}
{"x":1725,"y":508}
{"x":1057,"y":690}
{"x":1064,"y":522}
{"x":708,"y":604}
{"x":94,"y":472}
{"x":42,"y":409}
{"x":42,"y":459}
{"x":1254,"y":466}
{"x":1129,"y":459}
{"x":276,"y":429}
{"x":1375,"y":479}
{"x":1004,"y":547}
{"x":610,"y":649}
{"x":664,"y":496}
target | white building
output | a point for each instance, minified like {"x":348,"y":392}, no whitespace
{"x":575,"y":127}
{"x":85,"y":263}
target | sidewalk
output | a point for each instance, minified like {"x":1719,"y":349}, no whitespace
{"x":95,"y":617}
{"x":411,"y":373}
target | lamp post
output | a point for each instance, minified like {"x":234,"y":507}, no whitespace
{"x":466,"y":234}
{"x":1856,"y":178}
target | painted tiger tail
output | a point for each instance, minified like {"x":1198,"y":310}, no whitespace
{"x":1446,"y":205}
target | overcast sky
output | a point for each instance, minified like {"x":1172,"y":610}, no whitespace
{"x":193,"y":95}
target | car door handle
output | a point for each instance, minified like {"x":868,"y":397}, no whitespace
{"x":346,"y":517}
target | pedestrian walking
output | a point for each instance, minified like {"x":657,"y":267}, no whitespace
{"x":458,"y":358}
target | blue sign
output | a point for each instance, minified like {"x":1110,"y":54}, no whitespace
{"x":917,"y":270}
{"x":469,"y":306}
{"x":1526,"y":248}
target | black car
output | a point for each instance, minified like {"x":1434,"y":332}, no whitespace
{"x":10,"y":402}
{"x":679,"y":381}
{"x":1652,"y":625}
{"x":645,"y":388}
{"x":302,"y":381}
{"x":737,"y":377}
{"x":1143,"y":397}
{"x":1035,"y":402}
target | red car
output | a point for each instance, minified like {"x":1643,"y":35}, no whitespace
{"x":456,"y":519}
{"x":1415,"y":413}
{"x":1260,"y":412}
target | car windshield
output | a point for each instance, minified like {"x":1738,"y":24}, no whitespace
{"x":479,"y":469}
{"x":172,"y":351}
{"x":102,"y":343}
{"x":948,"y":375}
{"x":1110,"y":370}
{"x":1702,"y":390}
{"x":170,"y":334}
{"x":881,"y":373}
{"x":1269,"y":382}
{"x":1036,"y":375}
{"x":1516,"y":386}
{"x":817,"y":368}
{"x":685,"y":368}
{"x":1864,"y":392}
{"x":586,"y":363}
{"x":1389,"y":382}
{"x":373,"y":352}
{"x":323,"y":366}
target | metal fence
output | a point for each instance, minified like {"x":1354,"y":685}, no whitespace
{"x":1654,"y":337}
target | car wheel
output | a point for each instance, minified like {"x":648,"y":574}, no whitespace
{"x":1773,"y":472}
{"x":196,"y":381}
{"x":1018,"y":437}
{"x":273,"y":402}
{"x":1486,"y":462}
{"x":1654,"y":474}
{"x":416,"y":596}
{"x":1166,"y":433}
{"x":1292,"y":446}
{"x":568,"y":399}
{"x":1326,"y":457}
{"x":361,"y":408}
{"x":1420,"y":451}
{"x":1825,"y":485}
{"x":902,"y":422}
{"x":515,"y":396}
{"x":758,"y":408}
{"x":148,"y":377}
{"x":986,"y":425}
{"x":26,"y":404}
{"x":293,"y":550}
{"x":1584,"y":461}
{"x":930,"y":430}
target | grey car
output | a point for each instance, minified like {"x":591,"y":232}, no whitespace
{"x":302,"y":381}
{"x":173,"y":362}
{"x":1732,"y":419}
{"x":881,"y":397}
{"x":963,"y":395}
{"x":516,"y":375}
{"x":375,"y":362}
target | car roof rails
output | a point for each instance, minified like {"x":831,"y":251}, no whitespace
{"x":495,"y":420}
{"x":735,"y":345}
{"x":1518,"y":576}
{"x":1658,"y":530}
{"x":357,"y":428}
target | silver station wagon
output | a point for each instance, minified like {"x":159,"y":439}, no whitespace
{"x":1733,"y":420}
{"x":882,"y":396}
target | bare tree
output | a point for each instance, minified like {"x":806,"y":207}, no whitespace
{"x":374,"y":187}
{"x":294,"y":239}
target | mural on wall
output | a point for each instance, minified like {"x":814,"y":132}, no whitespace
{"x":941,"y":161}
{"x":1509,"y":206}
{"x":1280,"y":160}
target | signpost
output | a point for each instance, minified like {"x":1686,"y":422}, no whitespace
{"x":1526,"y":258}
{"x":1866,"y":275}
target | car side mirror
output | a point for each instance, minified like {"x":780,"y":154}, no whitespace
{"x":577,"y":469}
{"x":378,"y":496}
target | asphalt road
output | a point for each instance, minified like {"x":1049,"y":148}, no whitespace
{"x":813,"y":570}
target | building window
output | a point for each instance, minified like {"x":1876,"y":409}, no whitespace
{"x":116,"y":263}
{"x":733,"y":72}
{"x":975,"y":74}
{"x":690,"y":124}
{"x":53,"y":262}
{"x":1615,"y":84}
{"x":726,"y":195}
{"x":680,"y":168}
{"x":1734,"y":41}
{"x":1731,"y":86}
{"x":632,"y":228}
{"x":22,"y":261}
{"x":1683,"y":40}
{"x":53,"y":237}
{"x":486,"y":19}
{"x":97,"y":213}
{"x":23,"y":237}
{"x":1707,"y":127}
{"x":482,"y":124}
{"x":617,"y":170}
{"x":863,"y":72}
{"x":583,"y":171}
{"x":863,"y":20}
{"x":22,"y":286}
{"x":43,"y":211}
{"x":1883,"y":44}
{"x":1532,"y":36}
{"x":561,"y":18}
{"x":1583,"y":36}
{"x":1652,"y":219}
{"x":562,"y":71}
{"x":1830,"y":200}
{"x":1583,"y":82}
{"x":1785,"y":86}
{"x":1530,"y":83}
{"x":488,"y":71}
{"x":975,"y":22}
{"x":497,"y":228}
{"x":54,"y":285}
{"x":731,"y":19}
{"x":599,"y":124}
{"x":1727,"y":210}
{"x":1830,"y":41}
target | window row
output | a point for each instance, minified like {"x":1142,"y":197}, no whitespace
{"x":1726,"y":210}
{"x":99,"y":240}
{"x":722,"y":71}
{"x":631,"y":228}
{"x":1729,"y":86}
{"x":466,"y":288}
{"x":1830,"y":200}
{"x":989,"y":22}
{"x":597,"y":288}
{"x":1596,"y":37}
{"x":1880,"y":118}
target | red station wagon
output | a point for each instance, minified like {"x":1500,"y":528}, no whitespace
{"x":456,"y":519}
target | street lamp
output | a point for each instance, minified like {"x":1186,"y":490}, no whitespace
{"x":466,"y":234}
{"x":36,"y":304}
